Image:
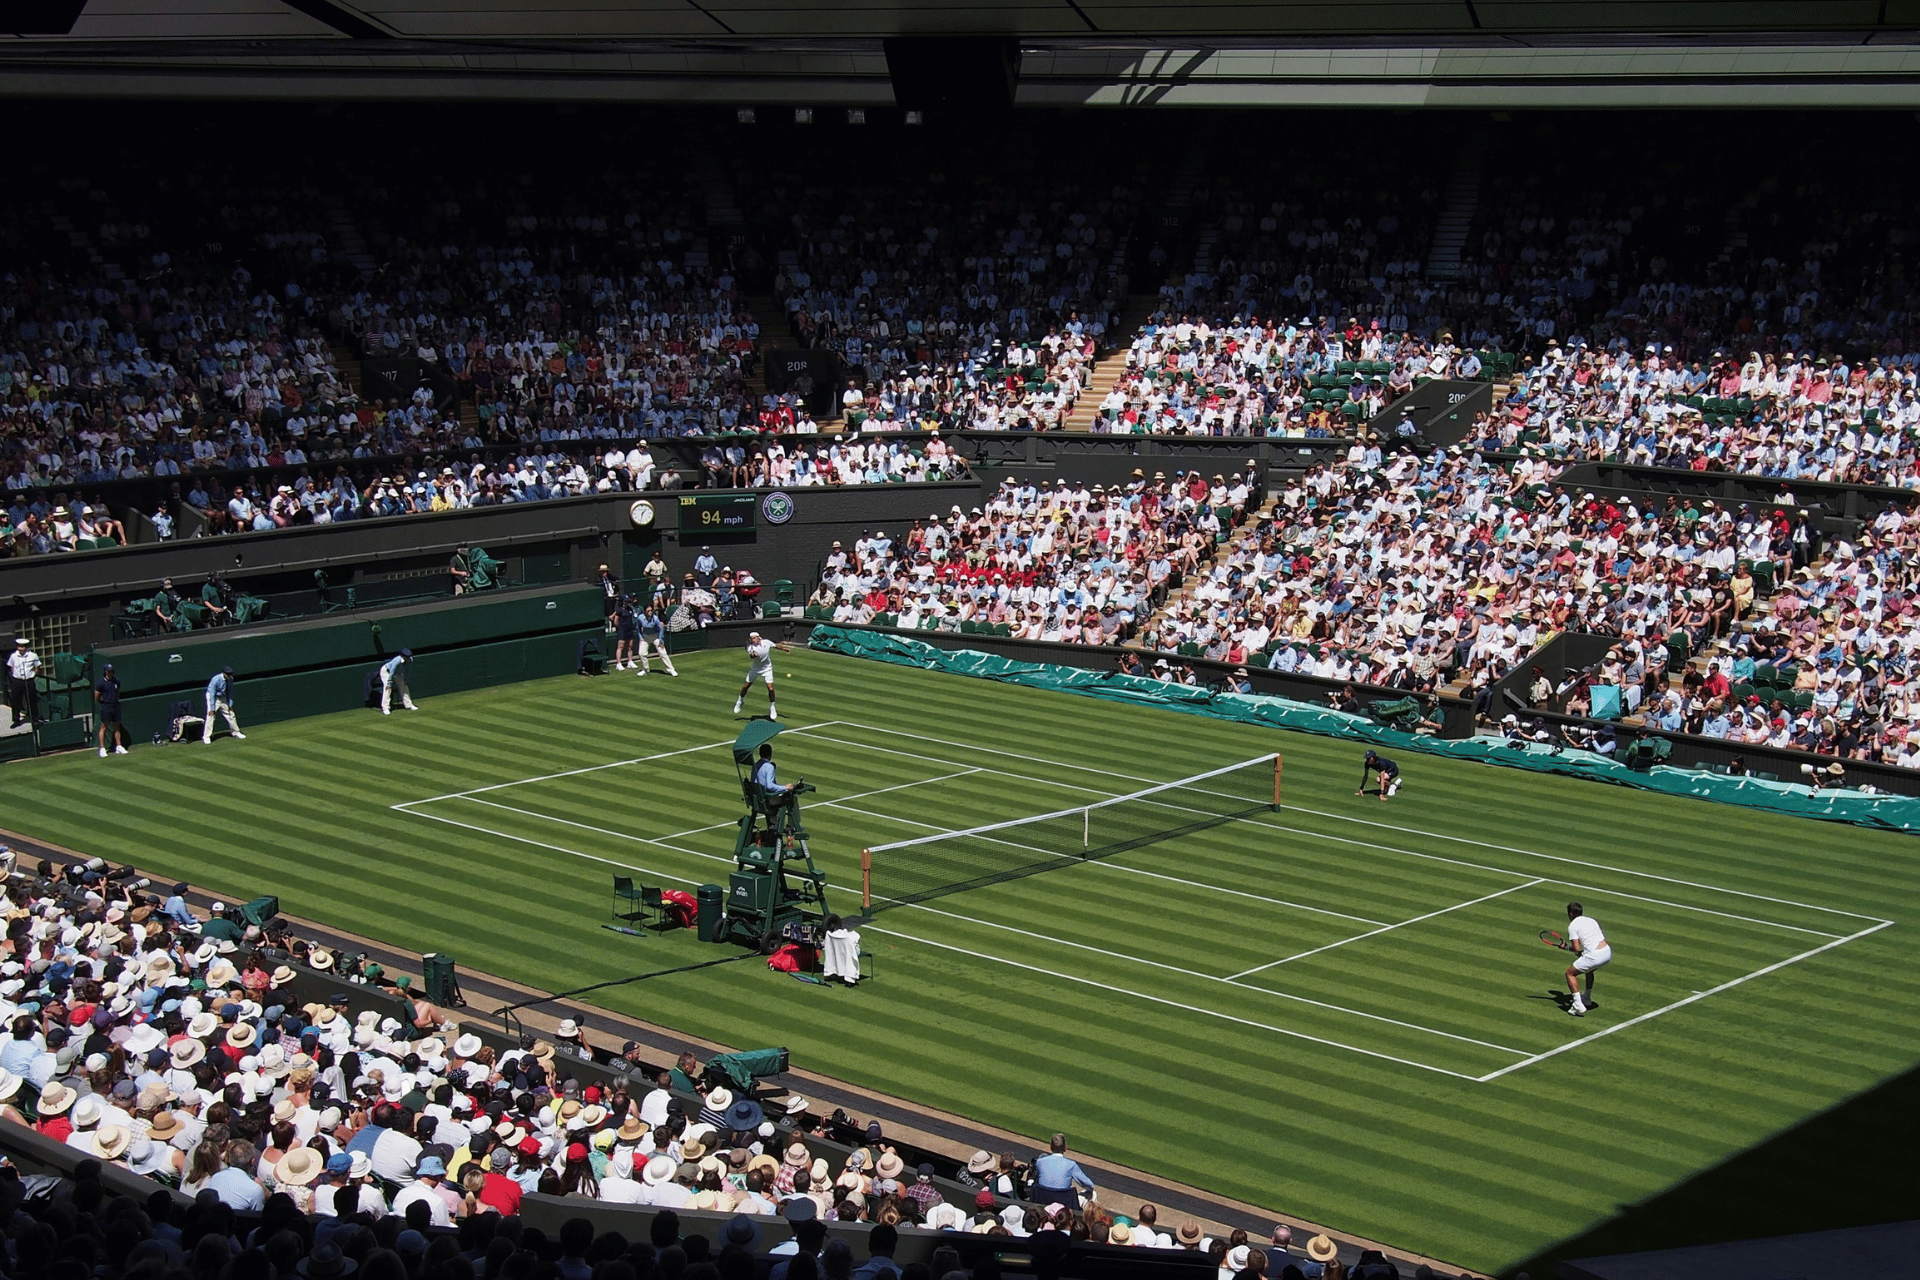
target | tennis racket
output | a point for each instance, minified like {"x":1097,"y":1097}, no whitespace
{"x":1554,"y":939}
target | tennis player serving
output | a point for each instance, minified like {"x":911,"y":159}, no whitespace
{"x":1590,"y":951}
{"x":760,"y":667}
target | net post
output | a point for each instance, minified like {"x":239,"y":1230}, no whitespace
{"x":1278,"y":761}
{"x":866,"y":879}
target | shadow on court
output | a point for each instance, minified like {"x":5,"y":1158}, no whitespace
{"x":1849,"y":1166}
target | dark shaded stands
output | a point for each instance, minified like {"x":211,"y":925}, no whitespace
{"x":35,"y":1155}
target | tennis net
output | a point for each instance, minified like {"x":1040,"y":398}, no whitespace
{"x":908,"y":871}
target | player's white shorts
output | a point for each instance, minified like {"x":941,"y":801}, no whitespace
{"x":1588,"y":961}
{"x":758,"y":672}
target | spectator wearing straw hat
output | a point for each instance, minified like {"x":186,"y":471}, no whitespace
{"x":570,"y":1043}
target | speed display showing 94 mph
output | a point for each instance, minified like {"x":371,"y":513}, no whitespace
{"x":717,"y":512}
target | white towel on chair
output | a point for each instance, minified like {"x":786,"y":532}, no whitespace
{"x":843,"y":955}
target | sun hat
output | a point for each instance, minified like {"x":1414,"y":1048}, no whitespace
{"x":890,"y":1166}
{"x":187,"y":1053}
{"x":56,"y":1098}
{"x":1236,"y":1259}
{"x":1322,"y":1249}
{"x":1188,"y":1232}
{"x":298,"y":1167}
{"x":658,"y":1171}
{"x":633,"y":1129}
{"x":797,"y":1156}
{"x":1121,"y":1233}
{"x":981,"y":1162}
{"x":744,"y":1114}
{"x":719,"y":1100}
{"x":240,"y":1035}
{"x":467,"y":1046}
{"x":163,"y":1126}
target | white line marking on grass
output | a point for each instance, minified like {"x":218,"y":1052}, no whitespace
{"x":1598,"y":866}
{"x":1172,"y":1004}
{"x":541,"y":844}
{"x":827,"y":804}
{"x":1209,"y":977}
{"x":1681,"y":1003}
{"x":595,"y":768}
{"x":1501,"y":893}
{"x":474,"y":798}
{"x":991,"y":924}
{"x":1387,"y":826}
{"x":1114,"y":866}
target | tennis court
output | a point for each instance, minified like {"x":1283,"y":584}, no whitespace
{"x":1340,"y":1010}
{"x":1320,"y":927}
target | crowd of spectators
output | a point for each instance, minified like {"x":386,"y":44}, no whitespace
{"x":974,"y":297}
{"x":1791,"y":416}
{"x":1244,"y":377}
{"x":148,"y":1037}
{"x":1060,"y":561}
{"x":1418,"y":573}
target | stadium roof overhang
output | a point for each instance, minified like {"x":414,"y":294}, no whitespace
{"x":1400,"y":53}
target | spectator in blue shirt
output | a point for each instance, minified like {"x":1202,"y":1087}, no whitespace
{"x":220,"y":701}
{"x":1056,"y":1175}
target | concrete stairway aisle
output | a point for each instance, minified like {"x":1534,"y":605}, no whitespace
{"x":723,"y":211}
{"x":348,"y":244}
{"x":1108,"y":368}
{"x":1461,"y":201}
{"x":1183,"y":594}
{"x":772,"y":319}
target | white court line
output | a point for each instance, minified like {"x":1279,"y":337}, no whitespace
{"x":474,"y":798}
{"x":1501,"y":893}
{"x":827,"y":804}
{"x":1017,"y":964}
{"x":541,"y":844}
{"x":1410,"y":853}
{"x":1114,"y":866}
{"x":1210,"y":977}
{"x":1388,"y":826}
{"x":1879,"y":924}
{"x":592,"y":768}
{"x":1173,"y":1004}
{"x":1698,"y":995}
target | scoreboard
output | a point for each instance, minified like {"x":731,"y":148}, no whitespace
{"x":717,"y":512}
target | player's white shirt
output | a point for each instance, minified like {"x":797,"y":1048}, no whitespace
{"x":759,"y":657}
{"x":1585,"y":930}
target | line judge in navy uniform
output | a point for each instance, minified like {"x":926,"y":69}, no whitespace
{"x":106,"y":703}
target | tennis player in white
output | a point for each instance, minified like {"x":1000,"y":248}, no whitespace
{"x":760,"y":667}
{"x":1590,"y":952}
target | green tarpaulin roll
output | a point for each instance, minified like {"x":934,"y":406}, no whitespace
{"x":1892,"y":813}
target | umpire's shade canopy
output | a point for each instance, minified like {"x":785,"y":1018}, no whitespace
{"x":756,"y":732}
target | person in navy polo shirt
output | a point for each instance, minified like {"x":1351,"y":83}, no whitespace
{"x":106,"y":706}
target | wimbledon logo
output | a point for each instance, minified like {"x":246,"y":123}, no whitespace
{"x":776,"y":508}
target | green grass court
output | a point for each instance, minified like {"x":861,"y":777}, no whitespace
{"x":1340,"y":1010}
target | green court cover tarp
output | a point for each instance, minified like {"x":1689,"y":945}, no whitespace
{"x":1893,"y":813}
